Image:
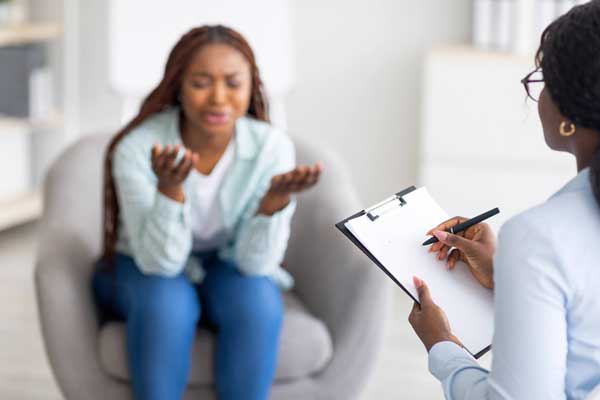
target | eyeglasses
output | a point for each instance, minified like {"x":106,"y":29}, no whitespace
{"x":534,"y":84}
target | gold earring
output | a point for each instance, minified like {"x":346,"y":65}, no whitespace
{"x":566,"y":133}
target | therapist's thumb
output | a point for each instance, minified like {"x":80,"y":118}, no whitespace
{"x":423,"y":291}
{"x":465,"y":245}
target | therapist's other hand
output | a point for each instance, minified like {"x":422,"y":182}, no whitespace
{"x":475,"y":246}
{"x":284,"y":185}
{"x":429,"y":320}
{"x":170,"y":174}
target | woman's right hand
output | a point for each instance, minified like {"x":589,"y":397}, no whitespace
{"x":475,"y":246}
{"x":171,"y":175}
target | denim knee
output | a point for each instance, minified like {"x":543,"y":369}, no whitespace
{"x":164,"y":299}
{"x":256,"y":300}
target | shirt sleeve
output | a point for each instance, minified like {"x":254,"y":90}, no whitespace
{"x":261,"y":240}
{"x":157,"y":228}
{"x":530,"y":339}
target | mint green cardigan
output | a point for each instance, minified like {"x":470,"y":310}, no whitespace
{"x":157,"y":232}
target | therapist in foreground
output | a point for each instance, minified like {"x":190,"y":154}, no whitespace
{"x":546,"y":271}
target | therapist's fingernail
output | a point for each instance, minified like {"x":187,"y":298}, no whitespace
{"x":441,"y":235}
{"x":417,"y":282}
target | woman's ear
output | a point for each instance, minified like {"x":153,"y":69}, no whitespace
{"x":567,"y":128}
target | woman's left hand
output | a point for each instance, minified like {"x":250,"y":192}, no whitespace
{"x":429,"y":320}
{"x":282,"y":186}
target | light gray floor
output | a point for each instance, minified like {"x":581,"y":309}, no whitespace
{"x":24,"y":372}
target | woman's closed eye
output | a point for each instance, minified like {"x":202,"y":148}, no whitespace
{"x":234,"y":83}
{"x":201,"y":83}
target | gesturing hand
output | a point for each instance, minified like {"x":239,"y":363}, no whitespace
{"x":475,"y":246}
{"x":282,"y":186}
{"x":169,"y":173}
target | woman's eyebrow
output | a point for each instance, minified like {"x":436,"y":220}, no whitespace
{"x":201,"y":73}
{"x":208,"y":75}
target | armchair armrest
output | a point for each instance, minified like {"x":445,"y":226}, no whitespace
{"x":68,"y":318}
{"x":337,"y":282}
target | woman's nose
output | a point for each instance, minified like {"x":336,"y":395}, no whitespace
{"x":218,"y":94}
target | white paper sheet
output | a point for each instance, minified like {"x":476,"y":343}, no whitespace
{"x":395,"y":238}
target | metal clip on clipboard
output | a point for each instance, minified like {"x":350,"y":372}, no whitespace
{"x":388,"y":204}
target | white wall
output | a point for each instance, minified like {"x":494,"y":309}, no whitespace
{"x":358,"y":80}
{"x":100,"y":107}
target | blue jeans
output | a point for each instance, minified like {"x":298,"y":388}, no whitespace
{"x":162,"y":315}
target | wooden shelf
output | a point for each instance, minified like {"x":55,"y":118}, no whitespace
{"x":471,"y":51}
{"x":53,"y":121}
{"x":28,"y":33}
{"x":20,"y":209}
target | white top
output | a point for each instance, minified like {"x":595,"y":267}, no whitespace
{"x":208,"y":228}
{"x":547,"y":307}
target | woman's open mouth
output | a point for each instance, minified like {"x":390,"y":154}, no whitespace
{"x":216,"y":118}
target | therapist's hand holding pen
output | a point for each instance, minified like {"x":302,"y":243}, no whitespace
{"x":475,"y":246}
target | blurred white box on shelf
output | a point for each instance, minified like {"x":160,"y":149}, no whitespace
{"x":40,"y":93}
{"x":482,"y":23}
{"x":503,"y":25}
{"x":15,"y":163}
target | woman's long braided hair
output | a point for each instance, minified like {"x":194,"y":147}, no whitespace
{"x":165,"y":96}
{"x":569,"y":56}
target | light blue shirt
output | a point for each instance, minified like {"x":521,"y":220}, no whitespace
{"x":547,"y":307}
{"x":156,"y":231}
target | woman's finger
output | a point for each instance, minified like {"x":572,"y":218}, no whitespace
{"x":170,"y":161}
{"x":287,"y":178}
{"x":156,"y":149}
{"x":162,"y":157}
{"x":425,"y":299}
{"x":314,"y":174}
{"x":453,"y":258}
{"x":313,"y":178}
{"x":312,"y":181}
{"x":291,"y":179}
{"x":443,"y":253}
{"x":154,"y":155}
{"x":188,"y":168}
{"x":302,"y":174}
{"x":184,"y":164}
{"x":436,"y":247}
{"x":275,"y":183}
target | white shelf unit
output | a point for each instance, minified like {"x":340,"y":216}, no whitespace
{"x":482,"y":143}
{"x":25,"y":206}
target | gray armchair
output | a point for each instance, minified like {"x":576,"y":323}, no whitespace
{"x":333,"y":320}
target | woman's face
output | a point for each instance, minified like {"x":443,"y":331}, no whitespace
{"x":551,"y":119}
{"x":216,"y":89}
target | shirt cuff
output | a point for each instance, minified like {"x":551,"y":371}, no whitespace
{"x":166,"y":207}
{"x":446,"y":357}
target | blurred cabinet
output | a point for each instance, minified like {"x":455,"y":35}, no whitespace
{"x":482,"y":144}
{"x":22,"y":81}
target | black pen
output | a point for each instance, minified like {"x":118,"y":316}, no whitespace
{"x":465,"y":225}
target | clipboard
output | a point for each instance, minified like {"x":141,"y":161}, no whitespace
{"x":373,"y":214}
